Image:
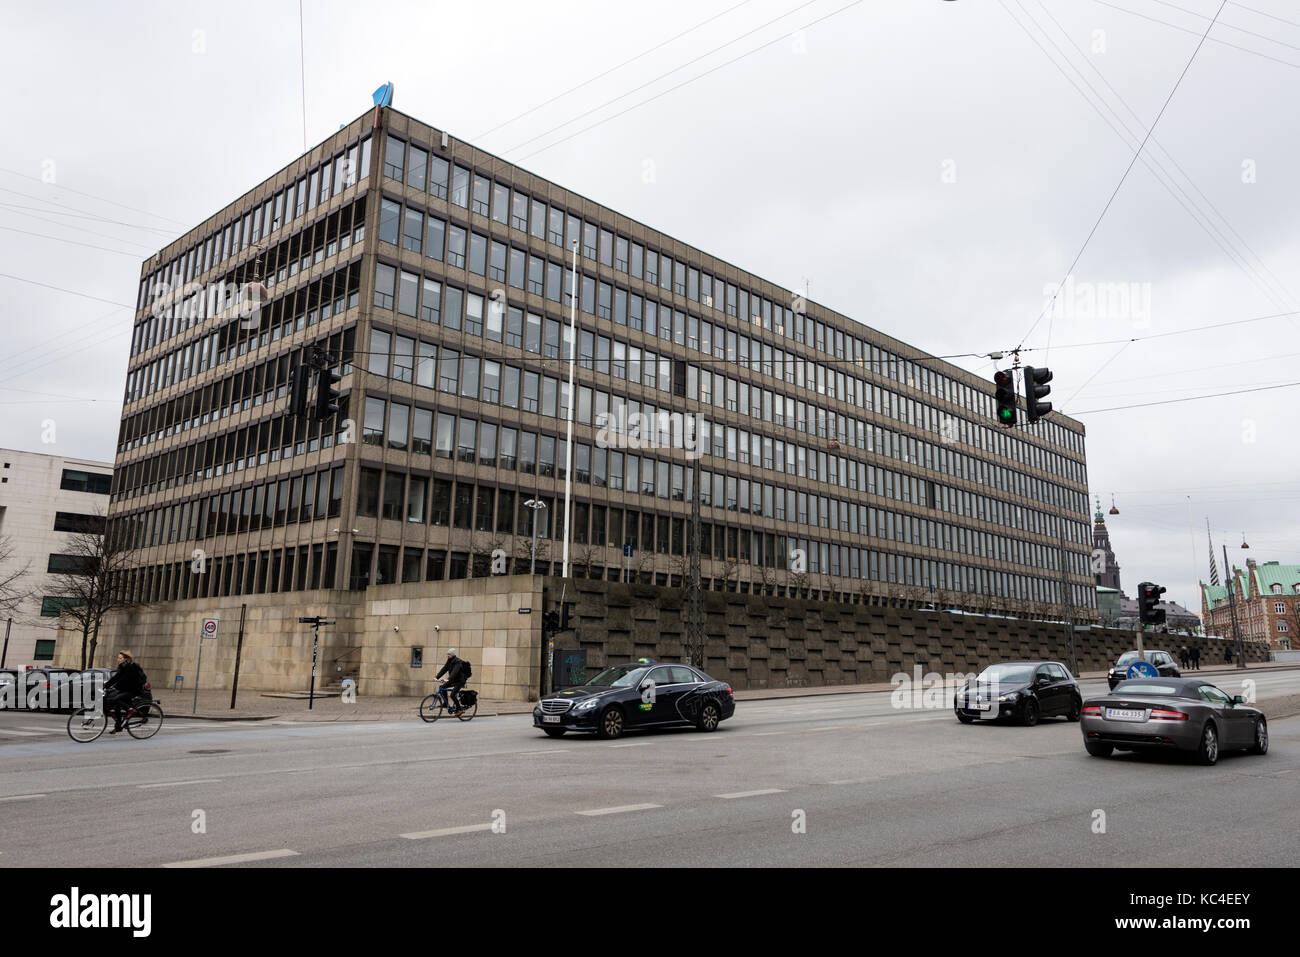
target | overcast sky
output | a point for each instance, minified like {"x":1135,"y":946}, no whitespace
{"x":927,"y":166}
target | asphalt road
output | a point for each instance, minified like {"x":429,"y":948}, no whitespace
{"x":870,"y":785}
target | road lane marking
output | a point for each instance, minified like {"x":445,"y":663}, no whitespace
{"x":746,"y":794}
{"x":622,"y":809}
{"x":22,"y":797}
{"x":21,"y":734}
{"x":633,"y":744}
{"x":46,"y":730}
{"x":177,"y":784}
{"x":235,"y":859}
{"x":523,"y":754}
{"x":445,"y":831}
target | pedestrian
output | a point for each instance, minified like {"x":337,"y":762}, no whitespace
{"x":1227,"y":653}
{"x":1196,"y":657}
{"x":1182,"y":656}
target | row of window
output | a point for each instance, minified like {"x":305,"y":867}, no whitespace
{"x":426,"y":298}
{"x":296,"y":568}
{"x":332,"y":177}
{"x":498,"y":200}
{"x":287,"y":501}
{"x":247,"y":287}
{"x":405,"y":359}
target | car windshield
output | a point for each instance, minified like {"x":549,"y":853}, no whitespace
{"x":619,"y":676}
{"x":1127,"y":659}
{"x":1007,"y":674}
{"x":1137,"y":687}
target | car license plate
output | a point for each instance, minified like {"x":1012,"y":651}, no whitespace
{"x":551,"y":718}
{"x":1124,"y":714}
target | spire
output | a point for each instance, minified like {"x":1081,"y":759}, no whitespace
{"x":1214,"y":569}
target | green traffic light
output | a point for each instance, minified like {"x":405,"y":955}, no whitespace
{"x":1005,"y":414}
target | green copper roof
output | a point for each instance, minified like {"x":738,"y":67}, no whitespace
{"x":1270,"y":574}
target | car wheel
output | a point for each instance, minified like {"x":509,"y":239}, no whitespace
{"x":1208,"y":752}
{"x":611,"y":723}
{"x":964,"y":718}
{"x":1029,"y":713}
{"x":554,"y":732}
{"x":1076,"y":709}
{"x":1261,"y":738}
{"x":1098,"y":750}
{"x":709,"y":717}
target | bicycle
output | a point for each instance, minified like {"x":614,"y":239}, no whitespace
{"x":432,"y":707}
{"x":141,"y":720}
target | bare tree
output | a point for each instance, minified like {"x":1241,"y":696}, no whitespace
{"x":799,"y":584}
{"x":645,"y":563}
{"x":12,"y":588}
{"x":94,"y":584}
{"x":767,"y":579}
{"x":584,"y":557}
{"x":524,"y":550}
{"x":731,"y":573}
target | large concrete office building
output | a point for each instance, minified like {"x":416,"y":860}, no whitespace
{"x":45,"y":502}
{"x":436,"y":277}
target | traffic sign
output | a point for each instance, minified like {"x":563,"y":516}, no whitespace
{"x":627,"y":551}
{"x":1142,"y":669}
{"x":209,"y":628}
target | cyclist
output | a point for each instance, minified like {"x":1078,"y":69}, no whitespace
{"x":457,"y":671}
{"x":125,"y":686}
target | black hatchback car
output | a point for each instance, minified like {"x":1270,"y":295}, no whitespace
{"x":1162,"y":661}
{"x":640,"y":694}
{"x":1020,"y":690}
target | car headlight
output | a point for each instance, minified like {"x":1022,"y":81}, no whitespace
{"x":586,"y":705}
{"x":1009,"y":698}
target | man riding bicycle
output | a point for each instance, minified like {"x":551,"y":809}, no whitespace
{"x":125,"y":686}
{"x":458,"y":672}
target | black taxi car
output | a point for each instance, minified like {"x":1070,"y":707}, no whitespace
{"x":640,"y":694}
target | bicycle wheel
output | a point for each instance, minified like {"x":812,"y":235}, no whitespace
{"x":86,"y":724}
{"x":431,"y":707}
{"x":467,"y":714}
{"x":146,"y":721}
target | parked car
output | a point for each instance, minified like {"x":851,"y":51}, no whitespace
{"x":1162,"y":661}
{"x":640,"y":694}
{"x":1021,"y":690}
{"x":50,"y":681}
{"x":80,"y":686}
{"x":1174,"y":714}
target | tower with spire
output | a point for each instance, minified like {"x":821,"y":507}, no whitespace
{"x":1108,"y":575}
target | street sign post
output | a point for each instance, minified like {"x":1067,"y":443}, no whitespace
{"x":315,"y":650}
{"x":207,"y":630}
{"x":627,"y":562}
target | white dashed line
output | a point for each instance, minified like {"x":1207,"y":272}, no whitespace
{"x":235,"y":859}
{"x":22,"y":797}
{"x":622,"y":809}
{"x":749,"y":794}
{"x":21,"y":734}
{"x":177,"y":784}
{"x":446,"y":831}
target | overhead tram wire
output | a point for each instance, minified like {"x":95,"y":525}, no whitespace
{"x":101,"y":199}
{"x":653,"y":80}
{"x":1190,"y":398}
{"x":1261,"y":13}
{"x":20,"y":210}
{"x":1175,"y":26}
{"x":1165,"y":178}
{"x":1226,"y":25}
{"x":71,"y":242}
{"x":1127,"y":170}
{"x":613,"y":69}
{"x":1163,"y":335}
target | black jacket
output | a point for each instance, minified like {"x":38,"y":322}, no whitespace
{"x":129,"y":679}
{"x":454,"y":670}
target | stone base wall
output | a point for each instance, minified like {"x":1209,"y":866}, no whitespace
{"x":371,"y":640}
{"x":761,"y":641}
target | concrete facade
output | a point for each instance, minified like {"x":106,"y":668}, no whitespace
{"x":31,"y":496}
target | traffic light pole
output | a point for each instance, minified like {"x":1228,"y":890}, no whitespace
{"x":1067,"y":603}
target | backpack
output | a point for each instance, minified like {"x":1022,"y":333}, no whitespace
{"x":469,"y":672}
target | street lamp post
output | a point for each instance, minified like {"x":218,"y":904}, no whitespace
{"x":535,"y":504}
{"x":568,"y":440}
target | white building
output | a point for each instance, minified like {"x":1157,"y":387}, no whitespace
{"x":44,"y":500}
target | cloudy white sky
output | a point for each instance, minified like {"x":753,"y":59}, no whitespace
{"x":929,"y":167}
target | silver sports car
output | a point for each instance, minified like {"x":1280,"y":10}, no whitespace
{"x":1180,"y":714}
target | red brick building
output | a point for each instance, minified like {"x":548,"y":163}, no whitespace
{"x":1268,"y":604}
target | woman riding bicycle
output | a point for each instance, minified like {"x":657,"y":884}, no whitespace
{"x":125,"y":686}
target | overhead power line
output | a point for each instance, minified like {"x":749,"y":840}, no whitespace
{"x":1190,"y":398}
{"x":1127,"y":169}
{"x":1175,"y":26}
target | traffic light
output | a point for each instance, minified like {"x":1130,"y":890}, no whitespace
{"x":1148,"y":599}
{"x":327,"y":397}
{"x":1005,"y":381}
{"x":299,"y":383}
{"x":1035,"y":388}
{"x":564,"y":616}
{"x":550,"y":622}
